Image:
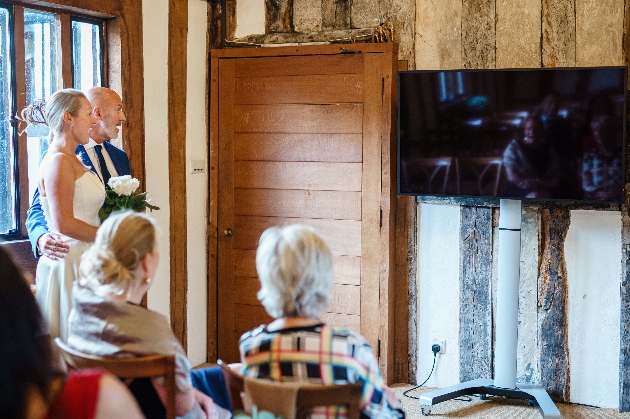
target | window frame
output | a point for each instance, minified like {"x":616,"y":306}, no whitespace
{"x":17,"y":62}
{"x":102,"y":24}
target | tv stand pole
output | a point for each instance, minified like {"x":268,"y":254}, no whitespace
{"x":504,"y":383}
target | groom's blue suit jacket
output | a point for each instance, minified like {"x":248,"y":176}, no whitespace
{"x":35,"y":220}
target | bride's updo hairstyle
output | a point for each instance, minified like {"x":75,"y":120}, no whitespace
{"x":122,"y":241}
{"x":51,"y":112}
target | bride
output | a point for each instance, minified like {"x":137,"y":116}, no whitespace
{"x":71,"y":196}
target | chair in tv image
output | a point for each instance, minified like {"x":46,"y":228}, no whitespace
{"x":482,"y":176}
{"x":430,"y":175}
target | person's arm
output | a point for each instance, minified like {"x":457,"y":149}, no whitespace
{"x":183,"y":401}
{"x":58,"y":181}
{"x":115,"y":400}
{"x":38,"y":234}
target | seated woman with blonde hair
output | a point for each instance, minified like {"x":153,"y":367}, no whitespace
{"x":108,"y":320}
{"x":296,"y":275}
{"x":30,"y":387}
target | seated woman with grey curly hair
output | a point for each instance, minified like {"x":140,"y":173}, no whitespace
{"x":108,"y":320}
{"x":296,"y":275}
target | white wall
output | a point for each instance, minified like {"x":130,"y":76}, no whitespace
{"x":593,"y":257}
{"x":197,"y":184}
{"x":155,"y":51}
{"x":155,"y":35}
{"x":438,"y":292}
{"x":250,"y":17}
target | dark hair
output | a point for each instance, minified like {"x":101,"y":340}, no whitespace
{"x":25,"y":355}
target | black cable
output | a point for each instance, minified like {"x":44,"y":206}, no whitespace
{"x":425,"y":381}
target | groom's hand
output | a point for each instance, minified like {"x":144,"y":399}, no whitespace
{"x":51,"y":246}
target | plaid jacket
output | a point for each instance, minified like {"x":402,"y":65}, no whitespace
{"x":321,"y":355}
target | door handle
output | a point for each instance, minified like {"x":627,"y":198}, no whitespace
{"x":227,"y":232}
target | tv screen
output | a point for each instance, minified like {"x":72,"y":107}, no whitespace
{"x":534,"y":134}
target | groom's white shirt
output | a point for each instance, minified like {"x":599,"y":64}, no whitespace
{"x":89,"y":149}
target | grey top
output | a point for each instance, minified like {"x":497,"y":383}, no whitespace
{"x":106,"y":327}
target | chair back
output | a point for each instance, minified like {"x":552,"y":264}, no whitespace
{"x":234,"y":384}
{"x":128,"y":368}
{"x":297,"y":401}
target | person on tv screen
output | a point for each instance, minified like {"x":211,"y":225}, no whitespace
{"x":601,"y":165}
{"x":531,"y":164}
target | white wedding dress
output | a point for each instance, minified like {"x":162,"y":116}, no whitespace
{"x":54,"y":278}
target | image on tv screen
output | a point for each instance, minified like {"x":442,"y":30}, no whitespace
{"x":523,"y":134}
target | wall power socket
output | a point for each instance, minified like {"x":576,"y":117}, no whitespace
{"x":441,"y":343}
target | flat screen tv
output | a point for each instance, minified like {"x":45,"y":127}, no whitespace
{"x":532,"y":134}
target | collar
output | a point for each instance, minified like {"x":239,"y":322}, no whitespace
{"x":90,"y":145}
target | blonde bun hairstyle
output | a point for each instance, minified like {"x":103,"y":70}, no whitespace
{"x":51,"y":112}
{"x":122,"y":241}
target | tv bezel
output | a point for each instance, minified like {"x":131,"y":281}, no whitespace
{"x":494,"y":200}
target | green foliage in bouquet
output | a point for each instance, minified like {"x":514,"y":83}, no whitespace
{"x":121,"y":195}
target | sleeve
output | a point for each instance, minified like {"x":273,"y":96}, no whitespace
{"x":35,"y":222}
{"x":79,"y":396}
{"x":373,"y":398}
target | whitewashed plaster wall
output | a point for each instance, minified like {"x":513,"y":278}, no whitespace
{"x":438,"y":292}
{"x":155,"y":50}
{"x":593,"y":256}
{"x":250,"y":17}
{"x":197,"y":184}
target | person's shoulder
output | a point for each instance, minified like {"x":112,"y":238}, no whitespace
{"x":111,"y":148}
{"x":115,"y":400}
{"x":253,"y":333}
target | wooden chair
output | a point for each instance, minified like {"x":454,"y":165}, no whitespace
{"x":234,"y":384}
{"x":128,"y":368}
{"x":296,"y":401}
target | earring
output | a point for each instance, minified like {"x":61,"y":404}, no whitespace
{"x":147,"y":281}
{"x":71,"y":125}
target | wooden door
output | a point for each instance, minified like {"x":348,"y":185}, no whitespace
{"x":300,"y":141}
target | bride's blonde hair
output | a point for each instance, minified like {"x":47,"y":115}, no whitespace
{"x":122,"y":241}
{"x":51,"y":112}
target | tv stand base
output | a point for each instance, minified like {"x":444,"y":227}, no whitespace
{"x":536,"y":395}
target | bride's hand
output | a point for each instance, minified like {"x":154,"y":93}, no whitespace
{"x":51,"y":246}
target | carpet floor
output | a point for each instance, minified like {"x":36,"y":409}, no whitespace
{"x":496,"y":408}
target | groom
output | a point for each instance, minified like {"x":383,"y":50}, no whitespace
{"x":99,"y":155}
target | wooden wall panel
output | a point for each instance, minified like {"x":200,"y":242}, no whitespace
{"x":475,"y":315}
{"x":342,"y":320}
{"x":307,"y":16}
{"x":438,"y":41}
{"x":558,"y":33}
{"x":370,"y":203}
{"x":552,"y":291}
{"x":478,"y":34}
{"x":347,"y":269}
{"x":298,"y":147}
{"x":298,"y":175}
{"x":344,"y":119}
{"x":295,"y":66}
{"x":343,"y":237}
{"x":177,"y":85}
{"x":300,"y":89}
{"x":599,"y":27}
{"x":336,"y":14}
{"x":518,"y":48}
{"x":346,"y":300}
{"x":299,"y":204}
{"x":405,"y":294}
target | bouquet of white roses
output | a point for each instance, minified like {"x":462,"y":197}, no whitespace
{"x":122,"y":194}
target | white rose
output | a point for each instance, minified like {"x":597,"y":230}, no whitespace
{"x":124,"y":185}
